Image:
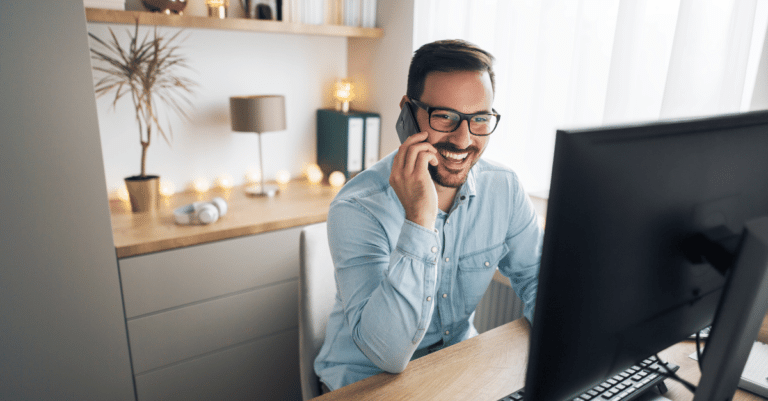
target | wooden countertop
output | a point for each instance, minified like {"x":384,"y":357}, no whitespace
{"x":298,"y":203}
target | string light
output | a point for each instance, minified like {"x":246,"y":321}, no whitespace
{"x":283,"y":177}
{"x":314,"y":174}
{"x":201,"y":185}
{"x":167,"y":188}
{"x":225,"y":181}
{"x":121,"y":193}
{"x":253,"y":176}
{"x":337,"y":179}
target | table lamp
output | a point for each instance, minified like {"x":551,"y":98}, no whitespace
{"x":258,"y":114}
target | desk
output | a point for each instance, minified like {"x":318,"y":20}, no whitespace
{"x":488,"y":367}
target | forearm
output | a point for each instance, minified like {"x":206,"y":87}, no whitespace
{"x":388,"y":297}
{"x":396,"y":316}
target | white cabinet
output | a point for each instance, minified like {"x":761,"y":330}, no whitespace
{"x":217,"y":320}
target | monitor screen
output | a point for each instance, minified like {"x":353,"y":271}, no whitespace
{"x":616,"y":285}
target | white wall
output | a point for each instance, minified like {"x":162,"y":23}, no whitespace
{"x":228,"y":63}
{"x":62,"y":329}
{"x":381,"y":65}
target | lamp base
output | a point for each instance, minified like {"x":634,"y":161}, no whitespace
{"x":257,"y":190}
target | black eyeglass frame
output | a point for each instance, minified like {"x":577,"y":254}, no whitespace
{"x":462,"y":117}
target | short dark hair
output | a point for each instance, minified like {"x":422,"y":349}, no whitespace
{"x":446,"y":56}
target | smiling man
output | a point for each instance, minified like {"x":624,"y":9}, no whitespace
{"x":416,"y":238}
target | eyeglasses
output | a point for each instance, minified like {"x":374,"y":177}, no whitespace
{"x":448,"y":120}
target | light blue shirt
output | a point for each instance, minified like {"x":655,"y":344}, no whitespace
{"x":403,"y":291}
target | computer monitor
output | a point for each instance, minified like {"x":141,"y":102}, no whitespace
{"x":634,"y":257}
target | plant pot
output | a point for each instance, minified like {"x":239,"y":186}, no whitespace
{"x":143,"y":192}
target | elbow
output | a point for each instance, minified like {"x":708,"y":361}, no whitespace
{"x":384,"y":353}
{"x":388,"y":360}
{"x":393,"y":366}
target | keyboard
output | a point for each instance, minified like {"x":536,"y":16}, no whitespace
{"x":625,"y":386}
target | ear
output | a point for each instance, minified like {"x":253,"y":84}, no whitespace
{"x":403,"y":100}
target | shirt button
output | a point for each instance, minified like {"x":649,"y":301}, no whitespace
{"x":447,"y":332}
{"x":434,"y":249}
{"x":447,"y":221}
{"x":429,"y":299}
{"x":445,"y":295}
{"x":447,"y":259}
{"x":487,"y":264}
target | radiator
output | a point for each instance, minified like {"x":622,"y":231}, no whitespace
{"x":499,"y":305}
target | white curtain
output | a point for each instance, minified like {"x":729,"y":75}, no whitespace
{"x":578,"y":63}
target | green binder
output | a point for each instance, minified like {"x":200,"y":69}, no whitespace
{"x":347,"y":142}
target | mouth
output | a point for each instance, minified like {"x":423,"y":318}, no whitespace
{"x":458,"y":157}
{"x":454,"y":164}
{"x":453,"y":160}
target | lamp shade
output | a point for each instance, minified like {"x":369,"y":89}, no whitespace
{"x":263,"y":113}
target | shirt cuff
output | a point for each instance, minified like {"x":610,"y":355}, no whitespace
{"x":419,"y":242}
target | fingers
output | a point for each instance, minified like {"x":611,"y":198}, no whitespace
{"x":418,"y":156}
{"x":400,"y":158}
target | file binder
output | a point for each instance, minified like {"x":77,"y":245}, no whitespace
{"x":347,"y":142}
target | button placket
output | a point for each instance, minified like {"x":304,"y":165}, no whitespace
{"x":448,"y":272}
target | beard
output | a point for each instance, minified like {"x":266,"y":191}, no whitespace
{"x":451,"y":178}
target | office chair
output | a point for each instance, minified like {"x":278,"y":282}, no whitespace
{"x":317,"y":293}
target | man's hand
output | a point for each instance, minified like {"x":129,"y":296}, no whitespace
{"x":412,"y":182}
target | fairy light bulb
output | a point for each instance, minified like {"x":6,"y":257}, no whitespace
{"x":167,"y":188}
{"x":314,"y":174}
{"x":253,"y":176}
{"x":282,"y":177}
{"x":337,"y":179}
{"x":225,"y":181}
{"x":201,"y":185}
{"x":121,"y":193}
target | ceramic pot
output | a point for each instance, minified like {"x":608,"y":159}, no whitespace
{"x":143,"y":192}
{"x":165,"y":6}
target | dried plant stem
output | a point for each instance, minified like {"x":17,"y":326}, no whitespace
{"x":148,"y":71}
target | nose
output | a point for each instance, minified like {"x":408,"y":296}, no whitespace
{"x":461,"y":138}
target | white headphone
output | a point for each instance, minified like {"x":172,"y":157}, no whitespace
{"x":201,"y":212}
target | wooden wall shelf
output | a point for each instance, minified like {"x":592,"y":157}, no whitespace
{"x":240,"y":24}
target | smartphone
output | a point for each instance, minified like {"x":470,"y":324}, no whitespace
{"x":406,"y":123}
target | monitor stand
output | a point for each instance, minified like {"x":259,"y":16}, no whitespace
{"x":738,"y":318}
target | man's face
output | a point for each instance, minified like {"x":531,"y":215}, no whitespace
{"x":464,"y":91}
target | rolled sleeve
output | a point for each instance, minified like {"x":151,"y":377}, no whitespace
{"x":387,"y":296}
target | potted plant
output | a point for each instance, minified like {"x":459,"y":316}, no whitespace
{"x":148,"y":71}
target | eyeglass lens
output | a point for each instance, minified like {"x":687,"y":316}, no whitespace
{"x":446,"y":121}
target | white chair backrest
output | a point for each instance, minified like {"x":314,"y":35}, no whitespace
{"x":317,"y":294}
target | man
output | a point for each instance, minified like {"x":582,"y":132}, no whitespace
{"x":416,"y":238}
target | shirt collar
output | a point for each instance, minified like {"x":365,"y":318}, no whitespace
{"x":469,"y":189}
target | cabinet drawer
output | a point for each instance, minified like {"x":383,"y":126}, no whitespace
{"x":172,"y":278}
{"x":171,"y":336}
{"x":265,"y":369}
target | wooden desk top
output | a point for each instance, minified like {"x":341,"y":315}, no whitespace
{"x":453,"y":373}
{"x":490,"y":366}
{"x":298,"y":203}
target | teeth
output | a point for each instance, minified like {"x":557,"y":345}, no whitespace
{"x":454,"y":156}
